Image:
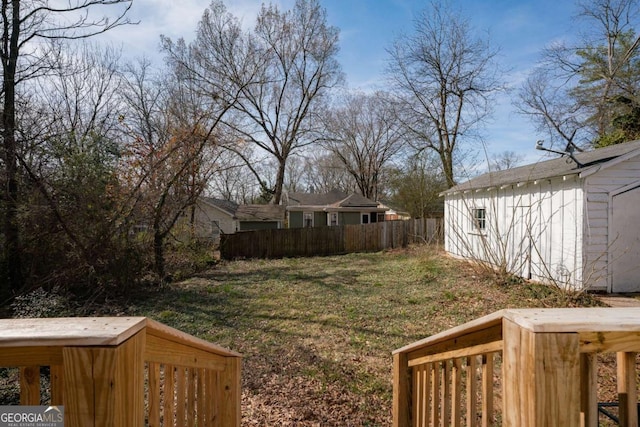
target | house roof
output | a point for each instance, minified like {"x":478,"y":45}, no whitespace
{"x":225,"y":205}
{"x":561,"y":166}
{"x":254,"y":213}
{"x":315,"y":199}
{"x":334,"y":198}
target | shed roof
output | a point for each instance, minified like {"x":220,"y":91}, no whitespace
{"x":260,"y":213}
{"x":561,"y":166}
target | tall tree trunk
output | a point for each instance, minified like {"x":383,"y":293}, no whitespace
{"x":158,"y":254}
{"x":277,"y":189}
{"x":13,"y":279}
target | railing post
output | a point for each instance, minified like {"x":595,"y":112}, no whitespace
{"x":230,"y":384}
{"x":541,"y":384}
{"x":627,"y":392}
{"x":104,"y":386}
{"x":401,"y":392}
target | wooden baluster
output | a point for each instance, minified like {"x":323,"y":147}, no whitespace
{"x":487,"y":390}
{"x":57,"y":385}
{"x":153,"y":370}
{"x":588,"y":390}
{"x":427,"y":398}
{"x":191,"y":396}
{"x":168,"y":399}
{"x":417,"y":396}
{"x":201,"y":398}
{"x":30,"y":385}
{"x":472,"y":392}
{"x":456,"y":392}
{"x":216,"y":410}
{"x":627,"y":392}
{"x":445,"y":401}
{"x":181,"y":396}
{"x":435,"y":393}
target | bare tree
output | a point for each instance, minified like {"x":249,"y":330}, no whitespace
{"x":445,"y":77}
{"x":170,"y":149}
{"x":365,"y":135}
{"x":506,"y":160}
{"x":416,"y":185}
{"x":282,"y":70}
{"x":68,"y":150}
{"x":586,"y":93}
{"x":26,"y":23}
{"x":324,"y":171}
{"x":233,"y":181}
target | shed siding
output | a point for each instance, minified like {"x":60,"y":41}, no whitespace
{"x":532,"y":230}
{"x":600,"y":187}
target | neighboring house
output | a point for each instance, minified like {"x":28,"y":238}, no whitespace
{"x":555,"y":221}
{"x":330,"y":209}
{"x":260,"y":217}
{"x":393,"y":213}
{"x":214,"y":217}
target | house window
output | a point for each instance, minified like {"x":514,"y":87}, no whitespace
{"x":333,"y":219}
{"x":365,"y":218}
{"x":479,"y":218}
{"x":307,"y":219}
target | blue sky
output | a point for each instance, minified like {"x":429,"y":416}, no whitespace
{"x":520,"y":28}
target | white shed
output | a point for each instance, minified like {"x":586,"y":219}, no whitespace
{"x":555,"y":221}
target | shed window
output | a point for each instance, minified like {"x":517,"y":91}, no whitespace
{"x":479,"y":218}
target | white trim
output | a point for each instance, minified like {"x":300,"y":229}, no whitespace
{"x":601,"y":166}
{"x":304,"y":220}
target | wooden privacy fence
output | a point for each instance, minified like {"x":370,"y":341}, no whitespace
{"x":122,"y":372}
{"x":548,"y":366}
{"x":313,"y":241}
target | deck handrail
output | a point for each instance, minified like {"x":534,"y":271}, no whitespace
{"x":123,"y":371}
{"x":548,"y":368}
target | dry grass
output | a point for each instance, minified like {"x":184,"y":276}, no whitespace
{"x":317,"y":333}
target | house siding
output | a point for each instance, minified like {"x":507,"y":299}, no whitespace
{"x":349,"y":218}
{"x":533,"y":230}
{"x":320,"y":219}
{"x":205,"y":214}
{"x":600,"y":188}
{"x":258,"y":225}
{"x":295,"y":219}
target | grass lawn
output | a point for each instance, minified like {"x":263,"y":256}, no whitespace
{"x":317,"y":333}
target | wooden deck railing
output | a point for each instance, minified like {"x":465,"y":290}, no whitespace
{"x":122,"y":372}
{"x":548,"y":366}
